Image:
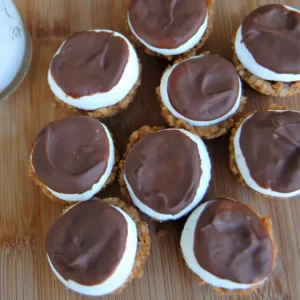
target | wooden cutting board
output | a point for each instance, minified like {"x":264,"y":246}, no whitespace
{"x":26,"y":214}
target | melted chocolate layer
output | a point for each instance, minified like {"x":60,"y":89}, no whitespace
{"x":204,"y":88}
{"x":164,"y":171}
{"x":89,"y":63}
{"x":71,"y":155}
{"x":232,"y":243}
{"x":87,"y":242}
{"x":272,"y":35}
{"x":270,"y":143}
{"x":167,"y":24}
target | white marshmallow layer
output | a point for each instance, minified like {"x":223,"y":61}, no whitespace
{"x":247,"y":59}
{"x":120,"y":274}
{"x":98,"y":185}
{"x":166,"y":100}
{"x":191,"y":43}
{"x":99,"y":100}
{"x":201,"y":191}
{"x":187,"y":248}
{"x":244,"y":170}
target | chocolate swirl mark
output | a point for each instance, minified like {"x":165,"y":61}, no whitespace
{"x":98,"y":55}
{"x":171,"y":8}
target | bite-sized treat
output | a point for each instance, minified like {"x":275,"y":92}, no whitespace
{"x":166,"y":172}
{"x":170,"y":28}
{"x":265,"y":152}
{"x":201,"y":94}
{"x":95,"y":72}
{"x":228,"y":245}
{"x":97,"y":247}
{"x":73,"y":159}
{"x":267,"y":50}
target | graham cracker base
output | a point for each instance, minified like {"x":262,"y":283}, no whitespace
{"x":53,"y":198}
{"x":205,"y":132}
{"x":221,"y":291}
{"x":134,"y":138}
{"x":108,"y":111}
{"x":144,"y":240}
{"x":232,"y":162}
{"x":208,"y":32}
{"x":270,"y":88}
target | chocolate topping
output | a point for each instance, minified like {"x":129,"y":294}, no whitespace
{"x":204,"y":88}
{"x":164,"y":171}
{"x":231,"y":242}
{"x":87,"y":243}
{"x":167,"y":24}
{"x":90,"y":62}
{"x":270,"y":143}
{"x":71,"y":155}
{"x":272,"y":35}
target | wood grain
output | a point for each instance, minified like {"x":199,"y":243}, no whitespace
{"x":25,"y":214}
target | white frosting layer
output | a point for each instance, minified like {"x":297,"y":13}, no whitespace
{"x":191,"y":43}
{"x":201,"y":191}
{"x":247,"y":59}
{"x":166,"y":100}
{"x":98,"y":185}
{"x":121,"y":273}
{"x":116,"y":94}
{"x":244,"y":170}
{"x":187,"y":247}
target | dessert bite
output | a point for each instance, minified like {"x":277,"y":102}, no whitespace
{"x":202,"y":94}
{"x":267,"y":50}
{"x":265,"y":152}
{"x":95,"y":73}
{"x":165,"y":172}
{"x":228,"y":246}
{"x":97,"y":247}
{"x":170,"y":28}
{"x":73,"y":159}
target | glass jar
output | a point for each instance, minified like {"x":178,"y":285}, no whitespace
{"x":15,"y":49}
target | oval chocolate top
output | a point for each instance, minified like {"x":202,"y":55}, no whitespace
{"x":232,"y":243}
{"x":271,"y":33}
{"x":164,"y":171}
{"x":87,"y":243}
{"x":270,"y":143}
{"x":167,"y":24}
{"x":71,"y":155}
{"x":203,"y":88}
{"x":90,"y":62}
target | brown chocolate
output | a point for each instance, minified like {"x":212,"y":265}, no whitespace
{"x":164,"y":171}
{"x":71,"y":155}
{"x":167,"y":24}
{"x":90,"y":62}
{"x":203,"y":88}
{"x":87,"y":243}
{"x":270,"y":143}
{"x":231,"y":242}
{"x":272,"y":35}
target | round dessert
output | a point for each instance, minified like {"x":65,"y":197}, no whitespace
{"x":228,"y":245}
{"x":170,"y":28}
{"x":73,"y":159}
{"x":201,"y":94}
{"x":267,"y":50}
{"x":265,"y":152}
{"x":95,"y":73}
{"x":97,"y":247}
{"x":166,"y":173}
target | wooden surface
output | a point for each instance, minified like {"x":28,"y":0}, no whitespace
{"x":25,"y":214}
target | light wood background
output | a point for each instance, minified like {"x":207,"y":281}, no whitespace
{"x":25,"y":214}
